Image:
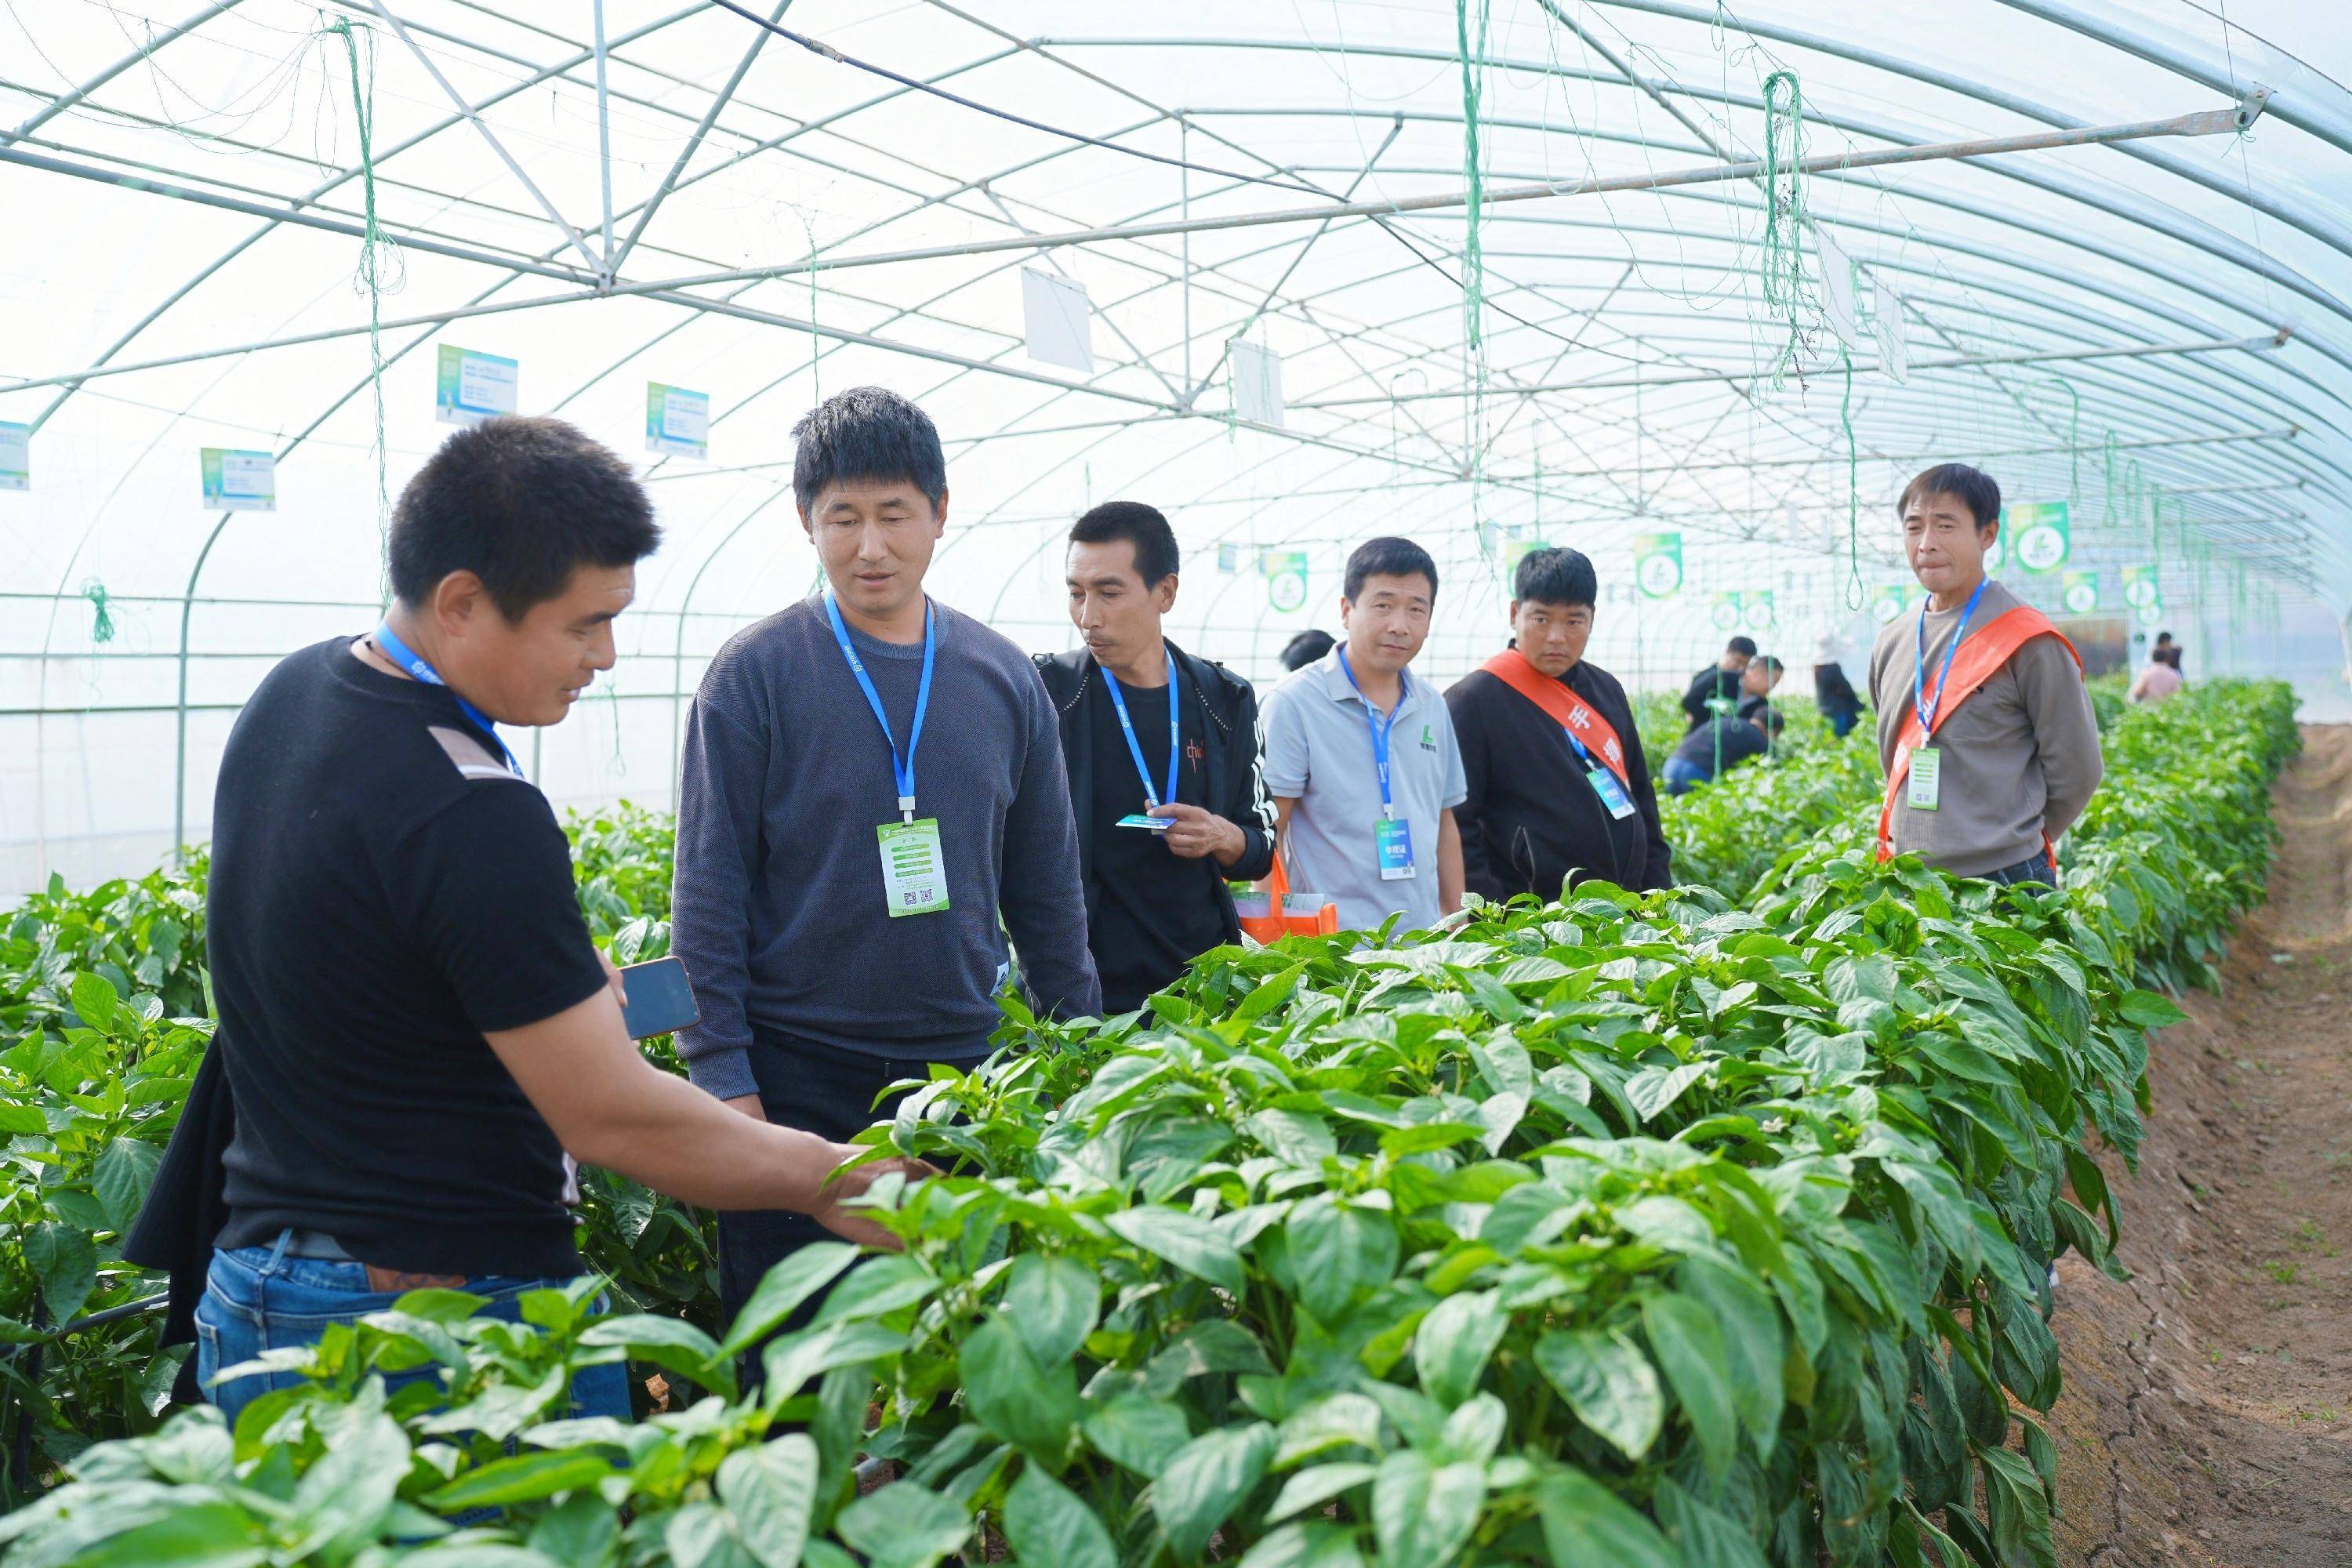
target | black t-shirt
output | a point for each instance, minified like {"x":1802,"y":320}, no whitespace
{"x":1738,"y":739}
{"x":383,"y":891}
{"x":1155,"y":912}
{"x":1709,"y":687}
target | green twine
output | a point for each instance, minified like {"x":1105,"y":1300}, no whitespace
{"x":380,"y":265}
{"x":1473,"y":257}
{"x":2074,"y":441}
{"x":1784,"y":211}
{"x":101,"y":625}
{"x":1854,"y":589}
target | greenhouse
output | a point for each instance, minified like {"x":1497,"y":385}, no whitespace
{"x":1730,"y":1146}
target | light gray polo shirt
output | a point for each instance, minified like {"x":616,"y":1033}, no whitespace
{"x":1319,"y":750}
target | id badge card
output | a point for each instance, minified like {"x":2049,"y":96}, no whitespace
{"x":1148,"y":824}
{"x":914,"y":872}
{"x":1926,"y":778}
{"x":1392,"y":846}
{"x":1613,"y":794}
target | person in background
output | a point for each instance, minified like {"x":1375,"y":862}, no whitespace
{"x":1167,"y":808}
{"x":1557,"y":788}
{"x":871,"y":784}
{"x":1833,"y":694}
{"x":1757,"y":683}
{"x":1361,"y":758}
{"x":414,"y":1023}
{"x":1721,"y":744}
{"x":1985,"y":727}
{"x":2159,"y":678}
{"x":1306,"y":648}
{"x":1714,"y":690}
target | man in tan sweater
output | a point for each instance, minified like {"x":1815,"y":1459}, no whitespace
{"x":1984,"y":725}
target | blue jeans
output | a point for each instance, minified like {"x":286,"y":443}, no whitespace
{"x":258,"y":1298}
{"x":1681,"y":776}
{"x":2033,"y":869}
{"x":1842,"y":722}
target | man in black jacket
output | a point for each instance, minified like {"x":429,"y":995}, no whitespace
{"x":1714,"y":691}
{"x":1168,"y":808}
{"x":1559,"y":790}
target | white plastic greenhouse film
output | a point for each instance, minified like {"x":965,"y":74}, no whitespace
{"x":1057,"y":320}
{"x":1257,"y":383}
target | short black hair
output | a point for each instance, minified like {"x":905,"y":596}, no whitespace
{"x":1388,"y":556}
{"x":1768,"y":664}
{"x":1972,"y":487}
{"x":1557,"y":576}
{"x":1142,"y":526}
{"x":1306,"y":648}
{"x":868,"y":433}
{"x":2163,"y":639}
{"x":1743,"y":646}
{"x":520,"y":501}
{"x":1768,"y":716}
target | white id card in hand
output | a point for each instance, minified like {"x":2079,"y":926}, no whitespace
{"x":1926,"y":778}
{"x":914,"y":872}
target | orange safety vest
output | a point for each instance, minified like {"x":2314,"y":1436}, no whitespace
{"x":1565,"y":708}
{"x":1973,"y":666}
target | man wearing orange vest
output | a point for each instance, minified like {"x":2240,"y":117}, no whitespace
{"x":1558,"y":787}
{"x":1985,"y":728}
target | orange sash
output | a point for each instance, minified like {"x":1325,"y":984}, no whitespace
{"x":1971,"y":666}
{"x":1564,"y":707}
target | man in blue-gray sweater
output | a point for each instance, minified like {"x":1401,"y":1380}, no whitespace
{"x":870,"y":778}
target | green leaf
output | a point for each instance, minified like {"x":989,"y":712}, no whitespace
{"x":1294,"y":1137}
{"x":122,"y":1176}
{"x":1309,"y":1543}
{"x":1316,"y":1486}
{"x":791,"y":1362}
{"x":1451,"y":1346}
{"x":522,"y":1477}
{"x":903,"y":1525}
{"x":1191,"y":1243}
{"x":95,"y":1002}
{"x":1424,"y":1513}
{"x":1047,"y":1525}
{"x":25,"y":1120}
{"x":1707,"y":1537}
{"x":206,"y":1535}
{"x":65,"y":1261}
{"x":1206,"y":1481}
{"x":800,"y":1276}
{"x":1652,"y":1090}
{"x":1689,"y":1347}
{"x":1338,"y":1250}
{"x":1584,"y":1523}
{"x":1610,"y":1385}
{"x":2149,"y":1010}
{"x":669,"y":1343}
{"x":1054,"y":1301}
{"x":1008,"y":1392}
{"x":770,"y":1490}
{"x":1753,"y":1346}
{"x":1137,"y":1434}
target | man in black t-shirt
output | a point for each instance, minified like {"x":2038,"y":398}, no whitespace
{"x":1715,"y":689}
{"x":415,"y":1025}
{"x":1165,"y":815}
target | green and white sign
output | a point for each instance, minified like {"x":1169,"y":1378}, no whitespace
{"x":1285,"y":577}
{"x":239,"y":481}
{"x":1727,"y":612}
{"x":1888,"y":602}
{"x":1229,"y":556}
{"x":2140,"y":587}
{"x":2149,"y":613}
{"x":472,"y":387}
{"x":1756,"y":609}
{"x":2081,"y":594}
{"x":2042,"y":536}
{"x":16,"y":456}
{"x":677,"y":422}
{"x":1658,"y":564}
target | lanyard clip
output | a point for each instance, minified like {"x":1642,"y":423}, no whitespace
{"x":906,"y":808}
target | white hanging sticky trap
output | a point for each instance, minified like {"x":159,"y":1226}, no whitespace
{"x":1837,"y":289}
{"x":1257,"y":383}
{"x":1894,"y":346}
{"x":1057,"y":320}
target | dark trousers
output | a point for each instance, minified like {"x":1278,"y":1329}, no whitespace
{"x":1841,"y":722}
{"x":2035,"y":868}
{"x":834,"y":1094}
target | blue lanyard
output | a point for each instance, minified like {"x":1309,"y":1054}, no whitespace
{"x":1577,"y":746}
{"x":902,"y":770}
{"x":1380,"y":727}
{"x":1119,"y":702}
{"x":401,"y":654}
{"x":1920,"y":703}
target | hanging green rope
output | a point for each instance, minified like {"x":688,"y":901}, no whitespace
{"x":1784,"y":211}
{"x":2074,"y":440}
{"x":1472,"y":52}
{"x":101,"y":625}
{"x":1854,"y":589}
{"x":2111,"y":459}
{"x":380,"y":269}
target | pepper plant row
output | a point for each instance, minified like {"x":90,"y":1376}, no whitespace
{"x":1660,"y":1231}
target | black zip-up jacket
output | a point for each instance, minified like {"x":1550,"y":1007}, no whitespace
{"x":1832,"y":692}
{"x":1235,"y":783}
{"x":1714,"y":682}
{"x":1531,"y":822}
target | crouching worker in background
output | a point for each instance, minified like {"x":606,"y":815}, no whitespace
{"x":414,"y":1024}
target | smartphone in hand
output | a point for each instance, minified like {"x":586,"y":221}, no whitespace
{"x":661,"y":1002}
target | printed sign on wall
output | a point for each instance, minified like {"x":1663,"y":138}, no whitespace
{"x":1658,"y":564}
{"x":677,"y":422}
{"x":239,"y":481}
{"x":471,"y":387}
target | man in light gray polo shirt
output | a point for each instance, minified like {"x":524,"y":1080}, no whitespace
{"x":1361,"y":758}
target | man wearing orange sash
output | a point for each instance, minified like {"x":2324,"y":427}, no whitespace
{"x":1559,"y":789}
{"x":1985,"y":728}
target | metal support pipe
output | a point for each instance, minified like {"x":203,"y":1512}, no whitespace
{"x":603,"y":143}
{"x":686,"y":154}
{"x":155,"y":41}
{"x":179,"y":741}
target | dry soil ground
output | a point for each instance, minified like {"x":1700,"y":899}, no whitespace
{"x":2208,"y":1413}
